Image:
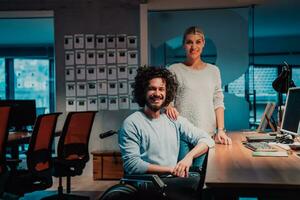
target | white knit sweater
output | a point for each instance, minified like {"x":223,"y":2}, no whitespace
{"x":199,"y":94}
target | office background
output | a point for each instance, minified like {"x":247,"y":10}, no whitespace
{"x":273,"y":23}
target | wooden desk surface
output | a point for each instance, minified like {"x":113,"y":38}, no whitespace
{"x":234,"y":166}
{"x":18,"y":137}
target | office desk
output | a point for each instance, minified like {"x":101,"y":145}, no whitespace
{"x":232,"y":172}
{"x":18,"y":138}
{"x":15,"y":139}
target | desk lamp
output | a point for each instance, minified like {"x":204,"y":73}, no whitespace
{"x":282,"y":84}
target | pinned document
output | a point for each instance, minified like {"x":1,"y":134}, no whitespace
{"x":122,"y":72}
{"x":101,"y":57}
{"x":102,"y":102}
{"x":91,"y":73}
{"x":80,"y":57}
{"x":132,"y":57}
{"x":78,"y":41}
{"x":90,"y":57}
{"x":70,"y":104}
{"x":110,"y":41}
{"x":89,"y":41}
{"x":92,"y":104}
{"x":123,"y":102}
{"x":111,"y":56}
{"x":130,"y":87}
{"x":69,"y":58}
{"x":102,"y":87}
{"x":132,"y":104}
{"x":112,"y":88}
{"x":121,"y":56}
{"x":121,"y":41}
{"x":111,"y":72}
{"x":68,"y":43}
{"x":100,"y":42}
{"x":70,"y":73}
{"x":80,"y":72}
{"x":123,"y":87}
{"x":132,"y":71}
{"x":81,"y":104}
{"x":81,"y":88}
{"x":113,"y":103}
{"x":101,"y":72}
{"x":131,"y":42}
{"x":70,"y":89}
{"x":92,"y":88}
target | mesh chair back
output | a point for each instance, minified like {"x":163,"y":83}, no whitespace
{"x":73,"y":143}
{"x":4,"y":120}
{"x":40,"y":146}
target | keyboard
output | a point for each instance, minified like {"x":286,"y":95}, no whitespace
{"x":260,"y":138}
{"x":259,"y":146}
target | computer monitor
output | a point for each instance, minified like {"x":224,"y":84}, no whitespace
{"x":23,"y":113}
{"x":291,"y":116}
{"x":266,"y":118}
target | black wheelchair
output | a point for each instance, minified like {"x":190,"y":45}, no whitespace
{"x":158,"y":187}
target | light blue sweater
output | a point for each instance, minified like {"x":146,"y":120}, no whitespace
{"x":143,"y":141}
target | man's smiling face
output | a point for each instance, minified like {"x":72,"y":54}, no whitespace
{"x":156,"y":94}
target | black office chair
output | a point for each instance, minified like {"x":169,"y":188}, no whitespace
{"x":4,"y":119}
{"x":38,"y":175}
{"x":73,"y":151}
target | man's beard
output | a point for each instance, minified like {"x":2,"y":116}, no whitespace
{"x":152,"y":107}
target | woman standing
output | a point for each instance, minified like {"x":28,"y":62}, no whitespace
{"x":199,"y":97}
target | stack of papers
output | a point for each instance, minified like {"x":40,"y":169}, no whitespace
{"x":270,"y":154}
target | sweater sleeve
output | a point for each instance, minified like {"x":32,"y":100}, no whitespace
{"x":129,"y":143}
{"x":218,"y":93}
{"x":174,"y":69}
{"x":192,"y":134}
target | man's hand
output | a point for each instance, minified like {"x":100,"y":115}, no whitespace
{"x":171,"y":112}
{"x":182,"y":167}
{"x":222,"y":138}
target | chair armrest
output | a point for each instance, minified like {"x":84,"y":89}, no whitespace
{"x":107,"y":134}
{"x":196,"y":169}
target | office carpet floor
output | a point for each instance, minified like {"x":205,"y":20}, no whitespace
{"x":81,"y":185}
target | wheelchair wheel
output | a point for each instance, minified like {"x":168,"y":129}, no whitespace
{"x":119,"y":191}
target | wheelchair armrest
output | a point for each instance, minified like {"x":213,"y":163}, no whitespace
{"x":196,"y":169}
{"x":154,"y":178}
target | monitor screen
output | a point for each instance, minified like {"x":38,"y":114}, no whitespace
{"x":23,"y":113}
{"x":291,"y":117}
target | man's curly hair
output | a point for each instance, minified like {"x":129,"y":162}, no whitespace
{"x":144,"y":75}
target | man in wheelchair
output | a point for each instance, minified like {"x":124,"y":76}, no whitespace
{"x":149,"y":143}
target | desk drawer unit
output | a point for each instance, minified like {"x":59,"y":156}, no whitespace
{"x":107,"y":165}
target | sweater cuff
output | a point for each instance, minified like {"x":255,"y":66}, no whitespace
{"x":208,"y":141}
